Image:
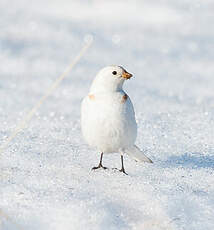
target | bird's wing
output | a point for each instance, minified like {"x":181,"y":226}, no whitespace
{"x":137,"y":154}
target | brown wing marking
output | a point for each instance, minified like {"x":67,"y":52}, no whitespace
{"x":91,"y":97}
{"x":124,"y":98}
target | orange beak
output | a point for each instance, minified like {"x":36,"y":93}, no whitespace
{"x":126,"y":75}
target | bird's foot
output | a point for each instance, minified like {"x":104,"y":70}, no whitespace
{"x":121,"y":170}
{"x":99,"y":166}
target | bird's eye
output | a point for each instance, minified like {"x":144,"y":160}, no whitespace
{"x":114,"y":72}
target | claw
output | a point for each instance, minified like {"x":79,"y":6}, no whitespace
{"x":99,"y":166}
{"x":123,"y":171}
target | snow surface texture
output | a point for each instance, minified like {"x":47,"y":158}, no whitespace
{"x":45,"y":180}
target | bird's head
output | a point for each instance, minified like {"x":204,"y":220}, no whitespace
{"x":110,"y":78}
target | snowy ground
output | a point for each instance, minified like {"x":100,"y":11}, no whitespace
{"x":45,"y":180}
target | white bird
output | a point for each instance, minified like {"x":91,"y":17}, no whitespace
{"x":108,"y":118}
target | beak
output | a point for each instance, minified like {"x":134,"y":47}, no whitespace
{"x":126,"y":75}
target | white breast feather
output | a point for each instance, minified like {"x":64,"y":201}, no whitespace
{"x":108,"y":122}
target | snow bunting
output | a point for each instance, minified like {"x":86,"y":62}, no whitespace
{"x":108,"y":118}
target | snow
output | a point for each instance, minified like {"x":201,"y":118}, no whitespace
{"x":45,"y":179}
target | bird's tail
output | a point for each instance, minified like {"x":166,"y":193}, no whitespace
{"x":137,"y":154}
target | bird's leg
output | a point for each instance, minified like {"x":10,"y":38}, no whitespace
{"x":122,"y":169}
{"x":100,"y":164}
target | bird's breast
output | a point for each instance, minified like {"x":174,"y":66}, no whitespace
{"x":108,"y":118}
{"x":112,"y":108}
{"x":113,"y":100}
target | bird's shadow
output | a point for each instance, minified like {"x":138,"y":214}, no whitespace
{"x":191,"y":160}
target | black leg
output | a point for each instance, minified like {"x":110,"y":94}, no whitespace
{"x":100,"y":164}
{"x":122,"y":169}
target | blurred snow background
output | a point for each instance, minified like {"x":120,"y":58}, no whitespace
{"x":45,"y":179}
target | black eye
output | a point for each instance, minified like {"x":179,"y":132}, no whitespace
{"x":114,"y":72}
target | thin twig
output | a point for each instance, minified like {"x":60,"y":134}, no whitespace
{"x":30,"y":114}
